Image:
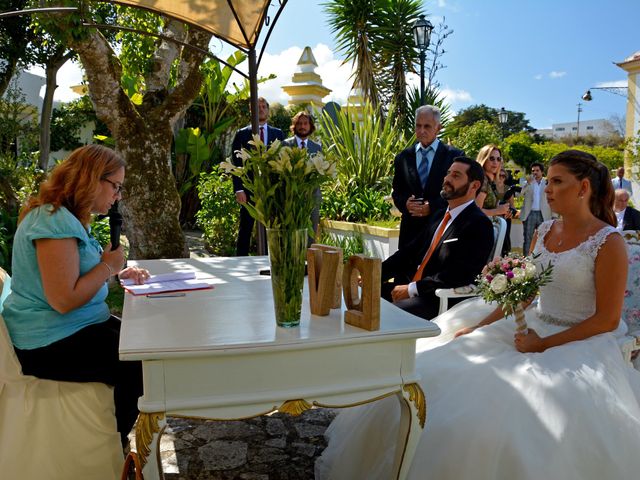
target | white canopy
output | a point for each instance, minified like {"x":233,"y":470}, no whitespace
{"x":238,"y":22}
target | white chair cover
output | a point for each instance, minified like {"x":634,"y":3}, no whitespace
{"x":54,"y":430}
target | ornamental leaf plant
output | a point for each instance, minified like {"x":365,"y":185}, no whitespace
{"x":281,"y":180}
{"x":512,"y":280}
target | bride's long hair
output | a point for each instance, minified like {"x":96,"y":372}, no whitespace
{"x":584,"y":165}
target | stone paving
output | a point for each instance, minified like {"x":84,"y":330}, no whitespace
{"x":271,"y":447}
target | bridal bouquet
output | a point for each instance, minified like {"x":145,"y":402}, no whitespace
{"x":510,"y":281}
{"x":281,"y":181}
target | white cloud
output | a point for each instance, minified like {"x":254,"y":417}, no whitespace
{"x":538,"y":76}
{"x":456,"y":96}
{"x":557,"y":74}
{"x":612,"y":84}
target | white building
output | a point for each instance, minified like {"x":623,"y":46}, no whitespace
{"x":598,"y":128}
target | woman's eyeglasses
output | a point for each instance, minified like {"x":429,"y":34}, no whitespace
{"x":116,"y":186}
{"x":495,"y":159}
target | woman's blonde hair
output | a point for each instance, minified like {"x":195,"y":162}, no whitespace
{"x":485,"y":153}
{"x":74,"y":183}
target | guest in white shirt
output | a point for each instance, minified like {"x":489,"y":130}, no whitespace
{"x":621,"y":182}
{"x":535,"y":209}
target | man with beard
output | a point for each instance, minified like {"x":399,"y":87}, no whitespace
{"x":268,"y":135}
{"x":302,"y":126}
{"x":449,"y":252}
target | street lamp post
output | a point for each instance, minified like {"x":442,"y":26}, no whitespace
{"x":422,"y":36}
{"x":503,"y":118}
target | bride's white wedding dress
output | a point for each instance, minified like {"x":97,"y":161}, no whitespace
{"x":571,"y":412}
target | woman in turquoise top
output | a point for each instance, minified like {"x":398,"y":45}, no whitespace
{"x":56,"y":313}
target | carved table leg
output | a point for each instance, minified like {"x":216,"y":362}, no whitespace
{"x":412,"y":420}
{"x":148,"y":431}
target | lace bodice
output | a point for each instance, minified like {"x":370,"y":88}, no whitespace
{"x":570,"y":296}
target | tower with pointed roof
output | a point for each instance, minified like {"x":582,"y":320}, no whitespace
{"x":306,"y":86}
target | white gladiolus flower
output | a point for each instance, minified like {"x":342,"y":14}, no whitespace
{"x":499,"y":283}
{"x":228,"y":167}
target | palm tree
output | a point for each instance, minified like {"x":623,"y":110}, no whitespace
{"x":398,"y":54}
{"x":353,"y":22}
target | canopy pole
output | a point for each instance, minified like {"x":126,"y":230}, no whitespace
{"x":253,"y":89}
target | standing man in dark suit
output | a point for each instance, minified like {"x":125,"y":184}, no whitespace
{"x":243,"y":136}
{"x":419,"y":171}
{"x":302,"y":126}
{"x":628,"y":217}
{"x":449,"y":252}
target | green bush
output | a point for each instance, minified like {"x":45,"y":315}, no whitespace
{"x":350,"y":245}
{"x":8,"y":225}
{"x":356,"y":204}
{"x":219,"y":212}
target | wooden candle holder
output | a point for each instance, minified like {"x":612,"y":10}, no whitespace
{"x":362,"y":311}
{"x":324,"y":266}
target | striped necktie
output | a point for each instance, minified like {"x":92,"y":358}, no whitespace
{"x":423,"y":169}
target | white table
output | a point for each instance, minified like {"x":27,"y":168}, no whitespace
{"x":218,"y":354}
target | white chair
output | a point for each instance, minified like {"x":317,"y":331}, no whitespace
{"x":499,"y":232}
{"x":630,"y":344}
{"x":54,"y":430}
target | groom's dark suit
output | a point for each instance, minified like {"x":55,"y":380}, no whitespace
{"x":241,"y":140}
{"x":631,"y":219}
{"x":459,"y":257}
{"x":406,"y":182}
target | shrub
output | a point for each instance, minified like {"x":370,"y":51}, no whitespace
{"x":219,"y":212}
{"x":350,"y":245}
{"x":356,"y":204}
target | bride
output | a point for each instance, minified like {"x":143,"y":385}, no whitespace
{"x":557,"y":403}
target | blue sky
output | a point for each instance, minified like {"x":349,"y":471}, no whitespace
{"x":536,"y":57}
{"x":532,"y":56}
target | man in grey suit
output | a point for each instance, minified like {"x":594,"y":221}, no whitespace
{"x":302,"y":126}
{"x":418,"y":175}
{"x":535,"y":208}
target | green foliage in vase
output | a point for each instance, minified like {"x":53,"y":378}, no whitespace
{"x":282,"y":181}
{"x":218,"y":215}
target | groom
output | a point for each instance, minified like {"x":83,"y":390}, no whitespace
{"x":449,"y":252}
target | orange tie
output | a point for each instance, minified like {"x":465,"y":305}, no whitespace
{"x":432,"y":247}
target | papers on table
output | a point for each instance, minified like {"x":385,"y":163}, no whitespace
{"x":166,"y":282}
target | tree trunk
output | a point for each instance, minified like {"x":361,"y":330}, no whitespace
{"x":151,"y":203}
{"x":52,"y":66}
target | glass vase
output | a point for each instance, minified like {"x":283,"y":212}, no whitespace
{"x":287,"y":255}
